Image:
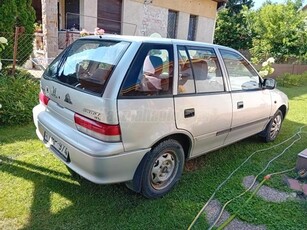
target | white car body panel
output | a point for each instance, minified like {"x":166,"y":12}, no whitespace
{"x":145,"y":121}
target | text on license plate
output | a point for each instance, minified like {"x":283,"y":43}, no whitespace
{"x":62,"y":149}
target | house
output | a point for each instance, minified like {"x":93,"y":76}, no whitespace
{"x":192,"y":20}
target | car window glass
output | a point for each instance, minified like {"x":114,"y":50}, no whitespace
{"x":151,"y":73}
{"x":206,"y":69}
{"x":186,"y":80}
{"x":87,"y":65}
{"x":241,"y":74}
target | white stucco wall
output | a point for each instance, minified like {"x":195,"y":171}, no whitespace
{"x":183,"y":25}
{"x":205,"y":29}
{"x":148,"y":19}
{"x":140,"y":19}
{"x":88,"y":8}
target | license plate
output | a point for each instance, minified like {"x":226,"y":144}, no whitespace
{"x":57,"y":145}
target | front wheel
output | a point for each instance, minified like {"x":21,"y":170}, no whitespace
{"x":163,"y":169}
{"x":273,"y":128}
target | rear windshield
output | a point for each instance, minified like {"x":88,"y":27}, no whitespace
{"x":87,"y":64}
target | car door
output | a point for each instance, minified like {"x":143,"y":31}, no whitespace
{"x":202,"y":104}
{"x":145,"y":102}
{"x":251,"y":103}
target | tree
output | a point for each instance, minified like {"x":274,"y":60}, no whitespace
{"x":235,"y":6}
{"x":280,"y":32}
{"x":17,"y":13}
{"x":232,"y":26}
{"x":8,"y":12}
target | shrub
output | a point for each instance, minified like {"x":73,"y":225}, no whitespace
{"x":18,"y":95}
{"x":3,"y":43}
{"x":288,"y":80}
{"x":17,"y":13}
{"x":267,"y":68}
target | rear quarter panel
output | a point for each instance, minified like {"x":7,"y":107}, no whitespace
{"x":145,"y":121}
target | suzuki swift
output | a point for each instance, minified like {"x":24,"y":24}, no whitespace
{"x":133,"y":109}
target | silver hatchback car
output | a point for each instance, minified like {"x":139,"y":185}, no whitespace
{"x":134,"y":109}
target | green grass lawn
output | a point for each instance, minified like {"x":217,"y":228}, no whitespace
{"x":37,"y":192}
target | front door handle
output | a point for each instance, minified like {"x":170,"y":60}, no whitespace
{"x":240,"y":105}
{"x":189,"y":113}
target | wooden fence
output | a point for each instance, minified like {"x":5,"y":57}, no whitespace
{"x":280,"y":69}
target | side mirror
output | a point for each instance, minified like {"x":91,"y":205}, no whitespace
{"x":269,"y":83}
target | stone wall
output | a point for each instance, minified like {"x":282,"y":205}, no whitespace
{"x":50,"y":28}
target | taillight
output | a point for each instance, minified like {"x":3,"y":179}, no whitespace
{"x":43,"y":98}
{"x":101,"y":131}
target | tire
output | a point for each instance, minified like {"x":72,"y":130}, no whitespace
{"x":162,"y":169}
{"x":272,"y":130}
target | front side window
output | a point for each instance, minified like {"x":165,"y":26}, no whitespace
{"x":87,"y":65}
{"x":241,"y":74}
{"x":151,"y":73}
{"x":199,"y":71}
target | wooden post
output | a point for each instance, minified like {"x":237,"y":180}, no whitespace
{"x":18,"y":31}
{"x":15,"y":49}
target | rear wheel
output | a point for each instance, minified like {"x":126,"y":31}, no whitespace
{"x":273,"y":128}
{"x":162,"y":169}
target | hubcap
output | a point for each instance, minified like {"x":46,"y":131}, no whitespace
{"x":276,"y":124}
{"x":164,"y":170}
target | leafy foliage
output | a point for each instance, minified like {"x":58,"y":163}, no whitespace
{"x":236,"y":6}
{"x":274,"y":30}
{"x":3,"y":43}
{"x":267,"y":68}
{"x":18,"y":13}
{"x":280,"y":32}
{"x":232,"y":26}
{"x":290,"y":80}
{"x":17,"y":98}
{"x":8,"y":12}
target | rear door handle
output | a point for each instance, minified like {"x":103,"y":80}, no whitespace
{"x":189,"y":113}
{"x":240,"y":105}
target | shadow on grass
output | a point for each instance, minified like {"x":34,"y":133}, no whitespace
{"x":89,"y":205}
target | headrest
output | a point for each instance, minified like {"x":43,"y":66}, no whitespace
{"x":152,"y":64}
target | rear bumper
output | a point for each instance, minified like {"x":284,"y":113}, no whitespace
{"x":97,"y":161}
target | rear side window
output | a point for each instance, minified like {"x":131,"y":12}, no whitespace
{"x":199,"y":71}
{"x":151,"y":72}
{"x":87,"y":64}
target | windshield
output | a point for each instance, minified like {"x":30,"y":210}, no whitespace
{"x":87,"y":65}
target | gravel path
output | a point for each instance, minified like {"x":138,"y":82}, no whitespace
{"x":213,"y":210}
{"x":267,"y":193}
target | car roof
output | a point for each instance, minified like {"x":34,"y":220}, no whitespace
{"x":143,"y":39}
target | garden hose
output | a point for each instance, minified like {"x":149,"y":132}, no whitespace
{"x":254,"y":181}
{"x":234,"y":171}
{"x":246,"y":202}
{"x":267,"y":177}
